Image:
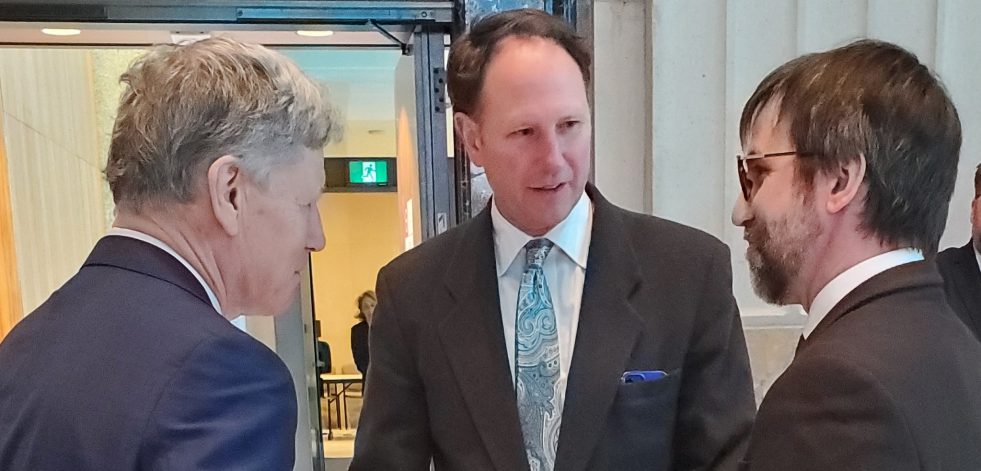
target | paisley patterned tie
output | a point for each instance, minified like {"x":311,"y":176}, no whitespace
{"x":537,"y":361}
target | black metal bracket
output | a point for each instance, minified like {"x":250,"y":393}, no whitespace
{"x":405,"y":47}
{"x":439,"y":89}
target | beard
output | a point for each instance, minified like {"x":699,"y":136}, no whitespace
{"x":776,"y":253}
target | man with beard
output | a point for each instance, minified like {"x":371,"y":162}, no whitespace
{"x":961,"y":268}
{"x":849,"y":165}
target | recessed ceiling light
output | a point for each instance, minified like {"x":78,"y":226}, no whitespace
{"x":313,"y":33}
{"x":61,"y":31}
{"x":188,"y":38}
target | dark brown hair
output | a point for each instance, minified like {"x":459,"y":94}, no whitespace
{"x":472,"y":52}
{"x":872,"y":99}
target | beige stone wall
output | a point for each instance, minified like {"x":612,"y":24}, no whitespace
{"x":53,"y":163}
{"x":770,"y":352}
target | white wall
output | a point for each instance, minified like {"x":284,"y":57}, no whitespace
{"x":699,"y":61}
{"x":622,"y":114}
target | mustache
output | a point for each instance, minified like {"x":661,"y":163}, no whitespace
{"x":756,"y":234}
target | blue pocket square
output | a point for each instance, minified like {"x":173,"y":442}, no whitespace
{"x":641,"y":376}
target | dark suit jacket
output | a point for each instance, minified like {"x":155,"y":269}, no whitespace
{"x":962,"y":282}
{"x":127,"y":366}
{"x":324,"y":364}
{"x":359,"y":346}
{"x":889,"y":380}
{"x":657,"y":296}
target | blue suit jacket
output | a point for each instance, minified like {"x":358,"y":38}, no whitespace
{"x":127,"y":366}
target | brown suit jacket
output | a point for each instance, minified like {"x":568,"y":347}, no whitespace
{"x":890,"y":380}
{"x":657,"y":296}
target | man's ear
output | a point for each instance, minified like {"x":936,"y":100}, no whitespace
{"x":847,"y":183}
{"x":225,"y":192}
{"x":469,"y":132}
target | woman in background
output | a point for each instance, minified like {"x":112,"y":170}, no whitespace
{"x":359,"y":332}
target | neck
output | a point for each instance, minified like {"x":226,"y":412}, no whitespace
{"x":180,"y":228}
{"x":834,"y":255}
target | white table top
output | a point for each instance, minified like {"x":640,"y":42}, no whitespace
{"x":345,"y":378}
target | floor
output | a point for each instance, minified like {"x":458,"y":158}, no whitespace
{"x":338,"y":452}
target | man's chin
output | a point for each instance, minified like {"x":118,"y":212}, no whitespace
{"x":771,"y":288}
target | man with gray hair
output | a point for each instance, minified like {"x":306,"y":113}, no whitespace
{"x":215,"y":166}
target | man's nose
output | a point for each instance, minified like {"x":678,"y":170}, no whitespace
{"x":740,"y":211}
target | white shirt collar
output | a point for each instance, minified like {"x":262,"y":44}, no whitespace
{"x":847,"y":281}
{"x":571,"y":235}
{"x":118,"y":231}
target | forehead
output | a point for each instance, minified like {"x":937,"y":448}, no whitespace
{"x":769,"y":131}
{"x":531,"y":71}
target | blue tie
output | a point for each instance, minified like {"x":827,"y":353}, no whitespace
{"x":537,"y":362}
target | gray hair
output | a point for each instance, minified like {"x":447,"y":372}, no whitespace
{"x":184,"y":106}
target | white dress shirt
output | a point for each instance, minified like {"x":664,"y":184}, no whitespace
{"x":847,"y":281}
{"x":118,"y":231}
{"x":565,"y":272}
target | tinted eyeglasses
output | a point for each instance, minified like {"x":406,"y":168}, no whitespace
{"x":742,"y":168}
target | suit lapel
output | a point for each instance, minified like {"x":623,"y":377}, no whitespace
{"x":608,"y":330}
{"x":473,"y":339}
{"x":908,"y":276}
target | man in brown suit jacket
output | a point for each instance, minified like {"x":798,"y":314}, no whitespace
{"x":849,"y":165}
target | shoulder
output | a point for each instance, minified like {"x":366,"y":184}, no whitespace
{"x":949,"y":257}
{"x":431,"y":254}
{"x":664,"y":229}
{"x":819,"y":385}
{"x":237,"y":353}
{"x":224,"y":368}
{"x":836,"y":413}
{"x":669,"y":241}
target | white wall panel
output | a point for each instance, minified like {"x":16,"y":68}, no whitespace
{"x":689,"y":93}
{"x":707,"y":58}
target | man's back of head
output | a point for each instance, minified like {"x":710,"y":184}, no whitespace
{"x":207,"y":136}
